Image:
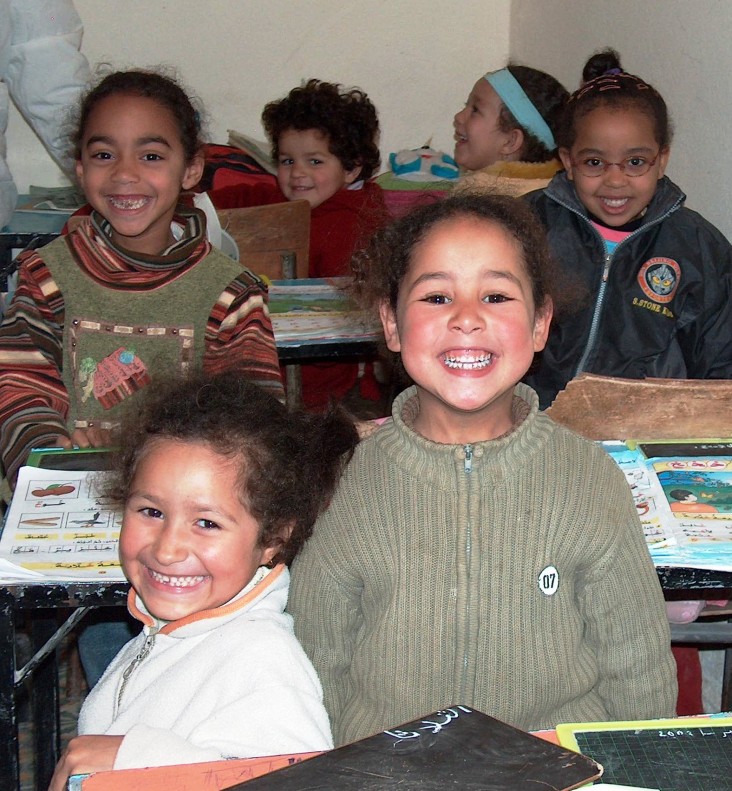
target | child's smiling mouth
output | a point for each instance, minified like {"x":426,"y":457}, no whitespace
{"x":467,"y":360}
{"x":176,"y":582}
{"x":129,"y":203}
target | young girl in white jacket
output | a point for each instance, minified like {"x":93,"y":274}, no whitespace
{"x":220,"y":486}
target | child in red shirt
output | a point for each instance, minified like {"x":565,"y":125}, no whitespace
{"x":324,"y":139}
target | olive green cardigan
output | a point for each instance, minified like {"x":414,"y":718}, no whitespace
{"x":510,"y":575}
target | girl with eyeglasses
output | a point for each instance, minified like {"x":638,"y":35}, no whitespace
{"x":653,"y":278}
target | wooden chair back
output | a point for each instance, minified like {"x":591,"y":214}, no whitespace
{"x":266,"y":235}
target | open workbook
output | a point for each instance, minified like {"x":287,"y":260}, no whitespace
{"x":683,"y":494}
{"x":59,"y":527}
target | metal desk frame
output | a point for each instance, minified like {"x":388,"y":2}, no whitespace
{"x":42,"y":602}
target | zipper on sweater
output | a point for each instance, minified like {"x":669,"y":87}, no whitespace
{"x":591,"y":338}
{"x":141,"y":656}
{"x":468,"y":463}
{"x":468,"y":468}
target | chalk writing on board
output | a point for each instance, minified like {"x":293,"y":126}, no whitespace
{"x":432,"y":726}
{"x":689,"y":734}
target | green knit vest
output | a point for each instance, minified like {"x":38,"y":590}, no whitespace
{"x":115,"y":342}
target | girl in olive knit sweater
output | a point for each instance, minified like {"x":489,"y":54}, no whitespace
{"x":476,"y":552}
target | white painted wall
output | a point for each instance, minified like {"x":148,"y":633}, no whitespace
{"x":682,"y":47}
{"x":416,"y":60}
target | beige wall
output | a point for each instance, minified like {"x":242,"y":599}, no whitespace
{"x":682,"y":47}
{"x":417,"y":60}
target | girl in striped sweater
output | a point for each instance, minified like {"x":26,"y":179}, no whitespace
{"x":134,"y":293}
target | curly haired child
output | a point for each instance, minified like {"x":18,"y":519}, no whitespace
{"x":475,"y":550}
{"x":325,"y":141}
{"x":220,"y":485}
{"x":136,"y":291}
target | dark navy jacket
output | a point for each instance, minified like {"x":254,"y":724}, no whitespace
{"x":659,"y":306}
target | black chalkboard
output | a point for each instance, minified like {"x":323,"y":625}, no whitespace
{"x":673,"y":757}
{"x":453,"y":748}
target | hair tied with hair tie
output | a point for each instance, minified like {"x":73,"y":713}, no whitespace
{"x":615,"y":70}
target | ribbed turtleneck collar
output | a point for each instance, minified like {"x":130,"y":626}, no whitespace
{"x":418,"y":455}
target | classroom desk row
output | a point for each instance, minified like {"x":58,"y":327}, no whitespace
{"x":43,"y":603}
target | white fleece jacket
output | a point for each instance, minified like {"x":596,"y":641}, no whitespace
{"x":226,"y":683}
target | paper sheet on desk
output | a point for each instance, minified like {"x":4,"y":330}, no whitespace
{"x":59,"y":528}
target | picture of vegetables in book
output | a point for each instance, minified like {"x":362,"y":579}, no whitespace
{"x":697,"y":488}
{"x":55,"y":490}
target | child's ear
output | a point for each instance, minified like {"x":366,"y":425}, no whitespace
{"x":542,"y":322}
{"x":511,"y":148}
{"x":564,"y":155}
{"x":193,"y":172}
{"x":278,"y":544}
{"x":389,"y":323}
{"x":353,"y":174}
{"x":269,"y":553}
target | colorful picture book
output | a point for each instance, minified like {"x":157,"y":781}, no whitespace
{"x":683,"y":494}
{"x":317,"y":309}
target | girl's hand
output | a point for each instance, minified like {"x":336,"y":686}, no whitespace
{"x":93,"y":437}
{"x":85,"y":754}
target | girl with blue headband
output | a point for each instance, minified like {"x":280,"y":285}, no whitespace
{"x":504,"y":136}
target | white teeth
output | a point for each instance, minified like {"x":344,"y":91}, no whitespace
{"x":176,"y":582}
{"x":123,"y":203}
{"x":615,"y":203}
{"x":468,"y":362}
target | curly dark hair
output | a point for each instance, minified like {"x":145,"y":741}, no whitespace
{"x":161,"y":87}
{"x":347,"y":118}
{"x":606,"y":84}
{"x":289,"y":461}
{"x":549,"y":96}
{"x":380,"y":268}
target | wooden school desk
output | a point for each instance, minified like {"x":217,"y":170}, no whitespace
{"x":342,"y":336}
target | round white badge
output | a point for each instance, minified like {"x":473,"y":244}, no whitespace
{"x":549,"y":580}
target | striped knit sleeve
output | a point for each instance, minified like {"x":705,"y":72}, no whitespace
{"x":33,"y":398}
{"x":239,"y":335}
